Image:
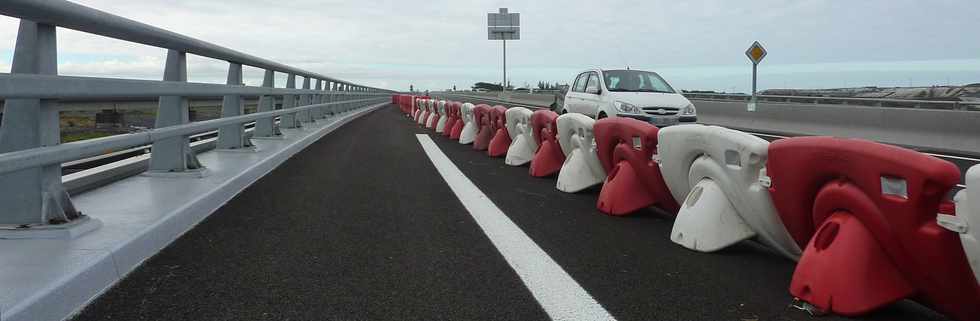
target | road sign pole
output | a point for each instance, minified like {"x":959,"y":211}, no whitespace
{"x":755,"y":53}
{"x":752,"y":105}
{"x":502,"y":26}
{"x":505,"y":65}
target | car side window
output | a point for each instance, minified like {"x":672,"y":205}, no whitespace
{"x":612,"y":82}
{"x":593,"y":80}
{"x":580,"y":82}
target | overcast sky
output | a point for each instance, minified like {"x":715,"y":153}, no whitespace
{"x":435,"y":44}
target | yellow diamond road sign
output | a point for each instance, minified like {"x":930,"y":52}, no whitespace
{"x":756,"y":52}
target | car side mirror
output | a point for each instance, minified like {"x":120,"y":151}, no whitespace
{"x":592,"y":90}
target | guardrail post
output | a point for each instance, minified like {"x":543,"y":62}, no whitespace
{"x":305,"y":100}
{"x":266,"y":127}
{"x":34,"y":196}
{"x":332,"y":97}
{"x":174,"y":155}
{"x":346,"y":95}
{"x":339,"y":108}
{"x":289,"y":101}
{"x":327,"y":98}
{"x":349,"y":95}
{"x":233,"y":136}
{"x":318,"y":99}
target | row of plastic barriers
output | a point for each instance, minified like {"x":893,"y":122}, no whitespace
{"x":869,"y":224}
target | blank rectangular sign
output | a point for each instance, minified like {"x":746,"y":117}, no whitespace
{"x":503,"y":19}
{"x":515,"y":34}
{"x":503,"y":25}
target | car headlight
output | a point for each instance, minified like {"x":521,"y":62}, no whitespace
{"x":626,"y":107}
{"x":689,"y":110}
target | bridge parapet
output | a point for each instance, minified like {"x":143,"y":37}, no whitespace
{"x":31,"y":153}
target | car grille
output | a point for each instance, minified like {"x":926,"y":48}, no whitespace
{"x":660,"y":111}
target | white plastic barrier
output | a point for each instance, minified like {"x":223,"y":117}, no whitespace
{"x":424,"y":115}
{"x":582,"y":168}
{"x":443,"y":114}
{"x":433,"y":114}
{"x":967,"y":219}
{"x":714,"y":172}
{"x":523,"y":145}
{"x":469,"y":127}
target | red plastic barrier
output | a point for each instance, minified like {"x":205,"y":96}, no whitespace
{"x":548,"y":159}
{"x":451,"y":113}
{"x":626,"y":147}
{"x":866,"y":213}
{"x":404,"y":102}
{"x":498,"y":125}
{"x":407,"y":105}
{"x":457,"y":128}
{"x":481,"y":115}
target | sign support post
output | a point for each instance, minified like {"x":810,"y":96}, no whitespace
{"x":504,"y":26}
{"x":755,"y":53}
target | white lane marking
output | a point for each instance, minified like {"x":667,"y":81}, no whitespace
{"x":560,"y":296}
{"x":954,"y":157}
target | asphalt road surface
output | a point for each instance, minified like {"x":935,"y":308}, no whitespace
{"x":362,"y":226}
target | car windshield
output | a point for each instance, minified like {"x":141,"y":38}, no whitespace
{"x":635,"y":81}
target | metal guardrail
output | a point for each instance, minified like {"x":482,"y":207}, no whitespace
{"x":31,"y":154}
{"x":877,"y":102}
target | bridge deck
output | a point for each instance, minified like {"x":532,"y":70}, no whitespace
{"x":361,"y":226}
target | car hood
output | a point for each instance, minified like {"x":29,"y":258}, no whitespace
{"x":648,"y":99}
